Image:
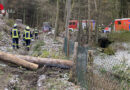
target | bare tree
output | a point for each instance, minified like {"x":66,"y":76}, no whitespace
{"x":89,"y":24}
{"x":68,"y":8}
{"x":57,"y":20}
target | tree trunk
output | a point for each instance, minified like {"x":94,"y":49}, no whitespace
{"x":11,"y":58}
{"x":68,"y":2}
{"x":123,"y":9}
{"x":89,"y":24}
{"x":97,"y":22}
{"x":80,"y":26}
{"x":48,"y":61}
{"x":57,"y":19}
{"x":24,"y":16}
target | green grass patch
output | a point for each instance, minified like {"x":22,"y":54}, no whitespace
{"x":38,"y":45}
{"x":122,"y":36}
{"x":102,"y":70}
{"x":45,"y":54}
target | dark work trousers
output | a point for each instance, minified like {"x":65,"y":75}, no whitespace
{"x":24,"y":42}
{"x":15,"y":42}
{"x":36,"y":35}
{"x":28,"y":42}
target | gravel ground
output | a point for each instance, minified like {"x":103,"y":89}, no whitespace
{"x":107,"y":61}
{"x":50,"y":43}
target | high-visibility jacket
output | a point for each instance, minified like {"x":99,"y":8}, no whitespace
{"x":15,"y":33}
{"x":35,"y":31}
{"x":27,"y":35}
{"x":99,"y":28}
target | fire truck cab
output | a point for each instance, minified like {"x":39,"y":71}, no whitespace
{"x":73,"y":25}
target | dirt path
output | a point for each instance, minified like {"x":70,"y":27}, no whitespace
{"x":45,"y":78}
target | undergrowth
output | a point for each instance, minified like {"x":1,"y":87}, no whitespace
{"x":10,"y":22}
{"x":38,"y":51}
{"x":122,"y":36}
{"x":102,"y":70}
{"x":109,"y":51}
{"x":122,"y":72}
{"x":38,"y":45}
{"x":52,"y":54}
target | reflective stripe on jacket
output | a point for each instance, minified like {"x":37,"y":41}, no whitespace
{"x":27,"y":34}
{"x":15,"y":33}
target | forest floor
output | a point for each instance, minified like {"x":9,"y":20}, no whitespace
{"x":13,"y":77}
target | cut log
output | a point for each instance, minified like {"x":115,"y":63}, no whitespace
{"x":48,"y":61}
{"x":13,"y":59}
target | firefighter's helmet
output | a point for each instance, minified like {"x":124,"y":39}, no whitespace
{"x":15,"y":25}
{"x":27,"y":28}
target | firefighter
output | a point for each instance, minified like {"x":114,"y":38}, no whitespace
{"x":15,"y":34}
{"x":99,"y":28}
{"x":36,"y":33}
{"x":24,"y":43}
{"x":27,"y":36}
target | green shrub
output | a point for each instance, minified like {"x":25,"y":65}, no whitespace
{"x":36,"y":53}
{"x":45,"y":54}
{"x":122,"y":36}
{"x":102,"y":70}
{"x":109,"y":51}
{"x":38,"y":45}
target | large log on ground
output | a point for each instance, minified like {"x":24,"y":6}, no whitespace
{"x":48,"y":61}
{"x":13,"y":59}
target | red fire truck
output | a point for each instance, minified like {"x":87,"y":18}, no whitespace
{"x":122,"y":24}
{"x":74,"y":24}
{"x":2,"y":9}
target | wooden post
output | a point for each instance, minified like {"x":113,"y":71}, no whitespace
{"x":90,"y":68}
{"x":68,"y":38}
{"x":90,"y":58}
{"x":75,"y":52}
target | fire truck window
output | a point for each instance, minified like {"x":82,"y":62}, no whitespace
{"x":74,"y":23}
{"x":70,"y":23}
{"x":119,"y":22}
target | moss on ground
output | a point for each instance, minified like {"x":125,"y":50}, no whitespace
{"x":109,"y":51}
